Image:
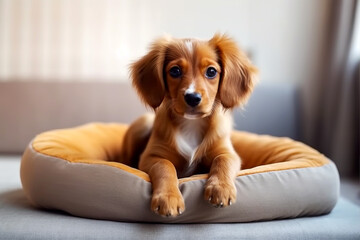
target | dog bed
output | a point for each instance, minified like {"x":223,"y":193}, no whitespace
{"x":73,"y":170}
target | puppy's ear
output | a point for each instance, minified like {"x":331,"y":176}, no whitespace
{"x":147,"y":74}
{"x":238,"y":75}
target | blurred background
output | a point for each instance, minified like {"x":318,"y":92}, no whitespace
{"x":49,"y":46}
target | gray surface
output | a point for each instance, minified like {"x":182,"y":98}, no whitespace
{"x":18,"y":220}
{"x":28,"y":108}
{"x":272,"y":110}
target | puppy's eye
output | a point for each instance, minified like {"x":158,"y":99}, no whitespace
{"x":175,"y":72}
{"x":210,"y":73}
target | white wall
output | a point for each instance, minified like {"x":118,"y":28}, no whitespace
{"x":82,"y":40}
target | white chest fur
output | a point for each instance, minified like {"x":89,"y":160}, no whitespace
{"x":188,"y":138}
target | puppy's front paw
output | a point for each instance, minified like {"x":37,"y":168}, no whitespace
{"x":220,"y":193}
{"x":168,"y":203}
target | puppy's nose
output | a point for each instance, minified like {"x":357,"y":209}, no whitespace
{"x":193,"y":99}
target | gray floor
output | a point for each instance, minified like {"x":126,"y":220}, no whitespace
{"x":19,"y":220}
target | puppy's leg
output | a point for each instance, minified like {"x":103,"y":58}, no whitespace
{"x":136,"y":139}
{"x":166,"y":197}
{"x":220,"y":188}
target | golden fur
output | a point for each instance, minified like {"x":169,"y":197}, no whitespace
{"x":182,"y":139}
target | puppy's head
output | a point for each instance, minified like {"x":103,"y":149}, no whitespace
{"x":194,"y":75}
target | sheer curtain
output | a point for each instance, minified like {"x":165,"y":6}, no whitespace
{"x":338,"y":122}
{"x":71,"y":39}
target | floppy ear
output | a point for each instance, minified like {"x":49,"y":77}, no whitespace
{"x":238,"y":75}
{"x":147,"y":74}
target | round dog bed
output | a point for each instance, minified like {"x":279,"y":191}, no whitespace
{"x":73,"y":170}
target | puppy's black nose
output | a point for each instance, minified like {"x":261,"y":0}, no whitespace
{"x":193,"y":99}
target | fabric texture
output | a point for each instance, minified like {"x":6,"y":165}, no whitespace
{"x":72,"y":170}
{"x":336,"y":129}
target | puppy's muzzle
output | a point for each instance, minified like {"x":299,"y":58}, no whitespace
{"x":192,"y":99}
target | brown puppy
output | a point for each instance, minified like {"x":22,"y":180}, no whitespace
{"x":191,"y":85}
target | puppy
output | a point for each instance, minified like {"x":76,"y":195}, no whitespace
{"x":192,"y":85}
